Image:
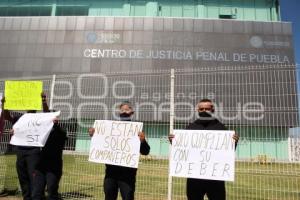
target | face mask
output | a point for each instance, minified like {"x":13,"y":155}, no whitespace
{"x":205,"y":114}
{"x":125,"y":116}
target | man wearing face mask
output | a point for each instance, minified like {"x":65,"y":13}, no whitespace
{"x":197,"y":188}
{"x":118,"y":177}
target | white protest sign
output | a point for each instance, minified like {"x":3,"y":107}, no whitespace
{"x":203,"y":154}
{"x":33,"y":129}
{"x":116,"y":143}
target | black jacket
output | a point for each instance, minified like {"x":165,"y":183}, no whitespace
{"x":55,"y":144}
{"x":52,"y":152}
{"x":212,"y":124}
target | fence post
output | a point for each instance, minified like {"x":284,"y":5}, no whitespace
{"x":172,"y":107}
{"x":52,"y":92}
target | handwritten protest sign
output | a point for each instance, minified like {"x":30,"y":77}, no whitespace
{"x":23,"y":95}
{"x":33,"y":129}
{"x":203,"y":154}
{"x":116,"y":143}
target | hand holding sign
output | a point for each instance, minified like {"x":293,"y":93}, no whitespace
{"x":91,"y":131}
{"x":203,"y":154}
{"x":33,"y":129}
{"x":115,"y":143}
{"x":142,"y":136}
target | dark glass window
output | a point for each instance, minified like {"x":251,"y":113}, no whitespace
{"x":227,"y":16}
{"x":25,"y":11}
{"x":72,"y":11}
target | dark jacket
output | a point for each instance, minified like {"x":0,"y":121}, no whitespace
{"x":212,"y":124}
{"x":55,"y":144}
{"x":52,"y":152}
{"x":2,"y":123}
{"x":126,"y":174}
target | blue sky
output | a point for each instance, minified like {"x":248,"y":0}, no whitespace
{"x":290,"y":11}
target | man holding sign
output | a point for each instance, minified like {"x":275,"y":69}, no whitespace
{"x":2,"y":124}
{"x":209,"y":138}
{"x":27,"y":156}
{"x":117,"y":176}
{"x":2,"y":121}
{"x":49,"y":169}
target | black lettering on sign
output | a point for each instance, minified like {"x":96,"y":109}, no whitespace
{"x":133,"y":130}
{"x":181,"y":155}
{"x":99,"y":128}
{"x":119,"y":143}
{"x":218,"y":140}
{"x":125,"y":129}
{"x":106,"y":142}
{"x":197,"y":140}
{"x":205,"y":156}
{"x":226,"y":169}
{"x":178,"y":168}
{"x":116,"y":157}
{"x":181,"y":140}
{"x":32,"y":138}
{"x":203,"y":167}
{"x":34,"y":123}
{"x":209,"y":137}
{"x":215,"y":166}
{"x":123,"y":158}
{"x":227,"y":142}
{"x":190,"y":168}
{"x":116,"y":129}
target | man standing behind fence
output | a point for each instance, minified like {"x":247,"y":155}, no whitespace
{"x":27,"y":157}
{"x":197,"y":188}
{"x":49,"y":169}
{"x":118,"y":177}
{"x":2,"y":123}
{"x":2,"y":120}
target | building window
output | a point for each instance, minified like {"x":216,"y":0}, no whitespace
{"x":227,"y":16}
{"x":25,"y":11}
{"x":72,"y":11}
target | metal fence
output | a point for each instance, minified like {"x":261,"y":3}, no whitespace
{"x":259,"y":102}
